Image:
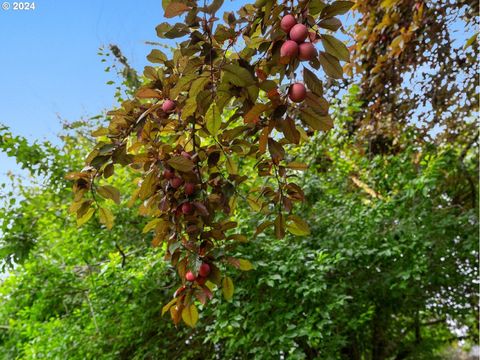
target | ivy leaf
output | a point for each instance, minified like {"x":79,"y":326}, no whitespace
{"x":190,"y":315}
{"x":109,"y":192}
{"x":238,"y":75}
{"x":337,"y":8}
{"x":213,"y":119}
{"x":244,"y":265}
{"x":330,"y":65}
{"x":106,"y":217}
{"x":181,"y":163}
{"x":335,"y":47}
{"x":227,"y":288}
{"x":174,"y":9}
{"x":297,"y":226}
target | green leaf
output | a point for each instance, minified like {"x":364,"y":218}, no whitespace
{"x":313,"y":83}
{"x":190,"y":315}
{"x":227,"y":288}
{"x":297,"y":226}
{"x":337,"y":8}
{"x":331,"y":65}
{"x":213,"y":119}
{"x":335,"y":47}
{"x":238,"y":75}
{"x":244,"y":265}
{"x":109,"y":192}
{"x":181,"y":163}
{"x":175,"y":8}
{"x":106,"y":217}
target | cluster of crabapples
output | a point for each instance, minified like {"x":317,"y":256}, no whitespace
{"x":296,"y":47}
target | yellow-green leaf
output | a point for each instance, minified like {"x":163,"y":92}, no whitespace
{"x":336,"y":8}
{"x":335,"y":47}
{"x":85,"y":217}
{"x":190,"y":315}
{"x":244,"y":265}
{"x":157,"y":56}
{"x":297,"y":226}
{"x":109,"y":192}
{"x":231,"y":165}
{"x":315,"y":120}
{"x":181,"y":163}
{"x":227,"y":288}
{"x":313,"y":83}
{"x":331,"y":65}
{"x":148,"y":186}
{"x":238,"y":76}
{"x":106,"y":217}
{"x":213,"y":119}
{"x":152,"y":224}
{"x":295,"y":165}
{"x":168,"y":306}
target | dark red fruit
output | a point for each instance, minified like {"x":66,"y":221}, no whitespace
{"x":297,"y":92}
{"x":299,"y":33}
{"x":201,"y":280}
{"x":306,"y":52}
{"x":189,"y":276}
{"x":204,"y":270}
{"x":287,"y":22}
{"x":189,"y":188}
{"x":289,"y":48}
{"x":176,"y":182}
{"x":168,"y":174}
{"x":187,"y":208}
{"x":168,"y":105}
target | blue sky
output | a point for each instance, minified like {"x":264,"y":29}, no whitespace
{"x":49,"y":64}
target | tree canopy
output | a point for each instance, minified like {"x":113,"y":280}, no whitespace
{"x":355,"y":223}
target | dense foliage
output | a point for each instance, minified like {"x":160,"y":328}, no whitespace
{"x":389,"y":269}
